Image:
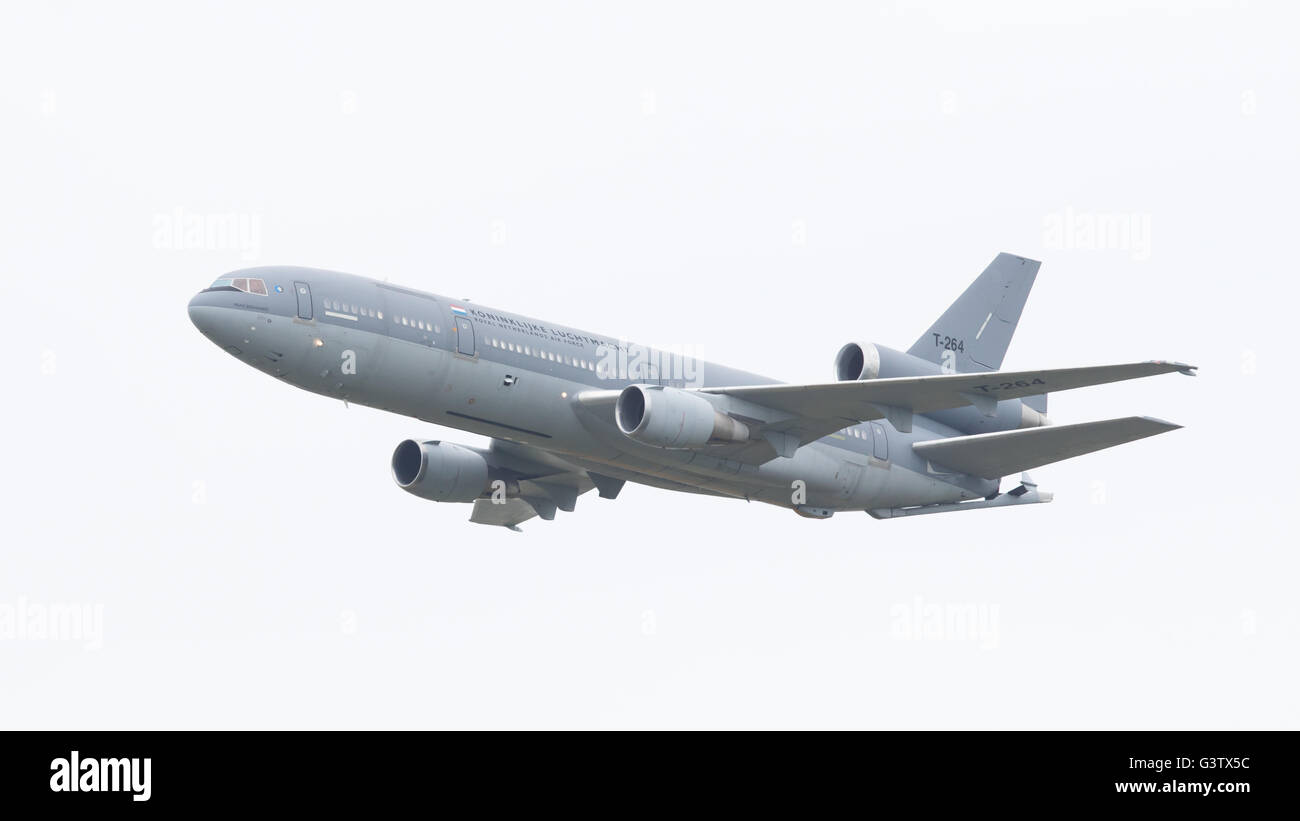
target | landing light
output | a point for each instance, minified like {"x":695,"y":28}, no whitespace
{"x":318,"y":342}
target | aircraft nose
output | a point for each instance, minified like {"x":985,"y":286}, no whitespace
{"x":205,"y":310}
{"x":202,"y":312}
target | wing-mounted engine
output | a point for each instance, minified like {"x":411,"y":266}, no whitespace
{"x":508,"y":483}
{"x":672,"y":418}
{"x":440,"y":471}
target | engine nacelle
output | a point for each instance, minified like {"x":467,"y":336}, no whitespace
{"x":673,"y":418}
{"x":866,"y":360}
{"x":440,"y":471}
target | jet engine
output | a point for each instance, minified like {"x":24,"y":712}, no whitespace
{"x":865,"y":360}
{"x":673,"y":418}
{"x":440,"y":471}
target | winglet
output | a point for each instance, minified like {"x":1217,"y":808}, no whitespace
{"x":1183,"y":367}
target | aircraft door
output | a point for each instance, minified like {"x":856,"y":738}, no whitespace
{"x":879,"y":443}
{"x":303,"y":291}
{"x":464,"y":336}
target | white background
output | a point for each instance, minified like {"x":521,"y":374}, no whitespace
{"x":764,"y":182}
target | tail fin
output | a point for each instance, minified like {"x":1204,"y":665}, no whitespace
{"x":978,"y":326}
{"x":974,"y":333}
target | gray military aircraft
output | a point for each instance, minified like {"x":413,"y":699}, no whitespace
{"x":932,"y":430}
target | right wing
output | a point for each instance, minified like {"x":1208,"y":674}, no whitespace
{"x":994,"y":455}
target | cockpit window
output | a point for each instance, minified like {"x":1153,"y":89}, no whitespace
{"x":245,"y":284}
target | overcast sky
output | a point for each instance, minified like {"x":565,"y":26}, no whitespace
{"x":761,"y":182}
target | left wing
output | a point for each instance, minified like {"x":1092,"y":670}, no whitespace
{"x":869,"y":398}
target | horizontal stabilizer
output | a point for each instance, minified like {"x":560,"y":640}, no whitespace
{"x":994,"y":455}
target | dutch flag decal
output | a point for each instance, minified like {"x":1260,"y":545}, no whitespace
{"x":459,"y":311}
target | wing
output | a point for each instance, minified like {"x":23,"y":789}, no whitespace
{"x":994,"y":455}
{"x":867,"y":399}
{"x":786,"y":417}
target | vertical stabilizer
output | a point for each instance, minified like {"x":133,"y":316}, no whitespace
{"x":975,"y":331}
